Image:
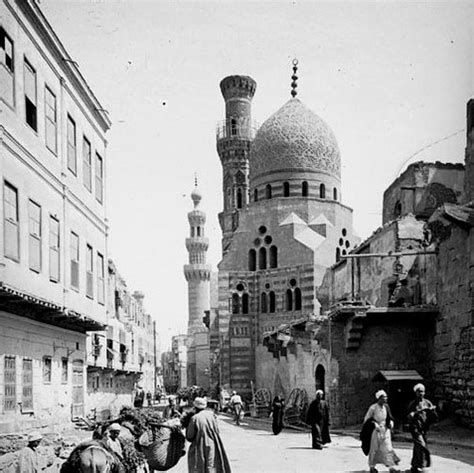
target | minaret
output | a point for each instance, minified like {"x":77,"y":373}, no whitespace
{"x":197,"y":272}
{"x":234,"y":136}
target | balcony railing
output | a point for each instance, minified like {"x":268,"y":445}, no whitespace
{"x":234,"y":128}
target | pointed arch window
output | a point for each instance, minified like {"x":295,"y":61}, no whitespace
{"x":297,"y":298}
{"x":304,"y":188}
{"x":268,"y":191}
{"x":289,"y":300}
{"x":255,"y":195}
{"x":398,"y":209}
{"x":286,"y":189}
{"x":239,"y":198}
{"x":273,"y":256}
{"x":198,"y":229}
{"x":272,"y":302}
{"x":322,"y":191}
{"x":192,"y":231}
{"x":338,"y":254}
{"x":262,"y":258}
{"x":334,"y":194}
{"x":263,"y":303}
{"x":252,"y":260}
{"x":319,"y":377}
{"x":245,"y":303}
{"x":235,"y":303}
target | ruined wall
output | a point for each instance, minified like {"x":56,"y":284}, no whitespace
{"x":454,"y":332}
{"x":388,"y":343}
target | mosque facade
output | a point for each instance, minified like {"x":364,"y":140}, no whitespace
{"x":283,"y":223}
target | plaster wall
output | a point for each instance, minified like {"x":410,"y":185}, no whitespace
{"x":27,"y":339}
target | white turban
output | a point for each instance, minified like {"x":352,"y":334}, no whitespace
{"x":418,"y":386}
{"x":320,"y":392}
{"x":379,"y":393}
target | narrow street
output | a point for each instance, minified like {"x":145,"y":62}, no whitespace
{"x":252,"y":447}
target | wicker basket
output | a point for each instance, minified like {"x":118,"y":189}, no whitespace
{"x":162,"y":446}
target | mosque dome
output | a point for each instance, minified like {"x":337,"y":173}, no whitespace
{"x":294,"y":139}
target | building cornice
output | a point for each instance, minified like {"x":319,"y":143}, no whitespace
{"x":36,"y":18}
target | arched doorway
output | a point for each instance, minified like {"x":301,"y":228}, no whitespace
{"x":320,"y":378}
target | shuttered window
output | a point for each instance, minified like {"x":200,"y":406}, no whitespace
{"x":54,"y":252}
{"x":11,"y":222}
{"x":89,"y":272}
{"x":100,"y":279}
{"x":6,"y":50}
{"x":27,"y":387}
{"x":74,"y":258}
{"x":34,"y":241}
{"x":99,"y":178}
{"x":30,"y":95}
{"x":86,"y":164}
{"x":71,"y":145}
{"x":9,"y":393}
{"x":50,"y":119}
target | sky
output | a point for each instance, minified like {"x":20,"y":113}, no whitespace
{"x":391,"y":79}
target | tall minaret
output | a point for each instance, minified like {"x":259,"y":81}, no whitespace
{"x":197,"y":272}
{"x":234,"y":136}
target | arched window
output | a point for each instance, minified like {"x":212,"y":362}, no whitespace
{"x":252,"y":260}
{"x":263,"y":303}
{"x":319,"y":376}
{"x":235,"y":303}
{"x":198,"y":231}
{"x":289,"y":299}
{"x":334,"y":194}
{"x":229,"y":198}
{"x":322,"y":191}
{"x":268,"y":191}
{"x":255,"y":195}
{"x":239,"y":198}
{"x":286,"y":189}
{"x":304,"y":189}
{"x":233,"y":126}
{"x":272,"y":302}
{"x":262,"y":258}
{"x":273,"y":256}
{"x":297,"y":298}
{"x":338,"y":254}
{"x":192,"y":231}
{"x":397,"y":211}
{"x":245,"y":303}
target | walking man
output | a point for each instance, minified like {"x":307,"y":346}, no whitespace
{"x":318,"y":418}
{"x":236,"y":403}
{"x":421,"y":414}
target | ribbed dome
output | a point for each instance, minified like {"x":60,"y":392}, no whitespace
{"x":294,"y":138}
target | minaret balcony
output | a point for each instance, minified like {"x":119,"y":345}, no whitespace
{"x":236,"y":129}
{"x":197,"y":244}
{"x":197,"y":272}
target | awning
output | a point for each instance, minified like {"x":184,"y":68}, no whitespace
{"x":398,"y":375}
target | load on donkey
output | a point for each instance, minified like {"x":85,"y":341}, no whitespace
{"x":147,"y":443}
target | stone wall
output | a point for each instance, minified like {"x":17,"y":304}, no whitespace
{"x":454,"y":334}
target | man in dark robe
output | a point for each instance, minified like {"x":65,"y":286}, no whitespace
{"x":318,"y":418}
{"x":421,"y":413}
{"x":206,"y":453}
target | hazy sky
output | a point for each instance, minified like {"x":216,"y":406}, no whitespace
{"x":390,"y":78}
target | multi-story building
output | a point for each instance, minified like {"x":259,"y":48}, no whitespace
{"x":174,"y":364}
{"x":53,"y":249}
{"x":123,"y":356}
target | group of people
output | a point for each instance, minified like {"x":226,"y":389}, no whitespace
{"x":376,"y":434}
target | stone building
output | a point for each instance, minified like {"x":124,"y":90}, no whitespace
{"x":283,"y":224}
{"x":123,"y":356}
{"x":398,"y":309}
{"x":53,"y":251}
{"x":198,"y":275}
